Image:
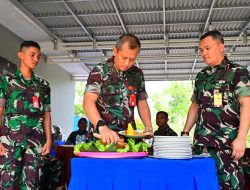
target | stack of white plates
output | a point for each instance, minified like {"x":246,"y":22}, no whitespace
{"x":172,"y":147}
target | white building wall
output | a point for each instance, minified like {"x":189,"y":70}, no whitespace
{"x":62,"y":87}
{"x":9,"y":45}
{"x":62,"y":95}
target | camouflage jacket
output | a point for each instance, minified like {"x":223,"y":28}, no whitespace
{"x":218,"y":126}
{"x":165,"y":131}
{"x":22,"y":123}
{"x":112,"y":88}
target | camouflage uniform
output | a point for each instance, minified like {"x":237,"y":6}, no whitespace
{"x":217,"y":127}
{"x":112,"y":88}
{"x":22,"y":132}
{"x":165,"y":131}
{"x":52,"y":170}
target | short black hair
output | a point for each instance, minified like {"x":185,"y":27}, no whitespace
{"x":29,"y":44}
{"x":215,"y":34}
{"x":82,"y":119}
{"x":133,"y":41}
{"x":164,"y":113}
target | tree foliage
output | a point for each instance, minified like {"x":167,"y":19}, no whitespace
{"x":79,"y":91}
{"x":78,"y":110}
{"x":175,"y":100}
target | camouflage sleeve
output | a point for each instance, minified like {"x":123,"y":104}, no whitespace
{"x":94,"y":82}
{"x":47,"y":107}
{"x":2,"y":92}
{"x":194,"y":95}
{"x":142,"y":90}
{"x":242,"y":83}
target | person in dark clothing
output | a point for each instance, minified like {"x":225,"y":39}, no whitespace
{"x":162,"y":122}
{"x":81,"y":135}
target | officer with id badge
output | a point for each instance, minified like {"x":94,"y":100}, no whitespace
{"x":25,"y":132}
{"x":113,"y":90}
{"x":220,"y":110}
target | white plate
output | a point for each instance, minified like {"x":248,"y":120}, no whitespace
{"x":173,"y":154}
{"x":172,"y":145}
{"x":173,"y":157}
{"x":201,"y":156}
{"x":173,"y":151}
{"x":172,"y":148}
{"x":173,"y":137}
{"x":172,"y":140}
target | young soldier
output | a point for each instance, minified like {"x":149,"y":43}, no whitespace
{"x":220,"y":109}
{"x":163,"y":127}
{"x":25,"y":107}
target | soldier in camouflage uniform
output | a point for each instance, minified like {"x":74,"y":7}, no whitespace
{"x":25,"y":103}
{"x":114,"y":88}
{"x":220,"y":108}
{"x":163,"y":127}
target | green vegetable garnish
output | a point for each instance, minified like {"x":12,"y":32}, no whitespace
{"x":97,"y":146}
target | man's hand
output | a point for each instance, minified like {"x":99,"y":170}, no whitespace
{"x":2,"y":150}
{"x":149,"y":130}
{"x":238,"y":148}
{"x":46,"y":149}
{"x":107,"y":135}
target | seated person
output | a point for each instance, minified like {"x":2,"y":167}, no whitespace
{"x":80,"y":135}
{"x":56,"y":134}
{"x":162,"y":122}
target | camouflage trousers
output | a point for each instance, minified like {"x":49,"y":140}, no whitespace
{"x":52,"y":169}
{"x":229,"y":171}
{"x":246,"y":165}
{"x":20,"y":168}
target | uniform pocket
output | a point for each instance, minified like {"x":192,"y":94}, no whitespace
{"x":111,"y":96}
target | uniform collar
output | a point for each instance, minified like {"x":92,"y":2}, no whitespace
{"x":113,"y":67}
{"x":25,"y":81}
{"x":20,"y":75}
{"x":225,"y":63}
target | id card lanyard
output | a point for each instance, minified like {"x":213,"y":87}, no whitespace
{"x":35,"y":101}
{"x":132,"y":97}
{"x":217,"y":100}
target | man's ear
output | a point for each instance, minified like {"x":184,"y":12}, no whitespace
{"x":115,"y":50}
{"x":222,"y":47}
{"x":20,"y":55}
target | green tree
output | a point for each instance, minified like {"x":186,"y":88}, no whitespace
{"x":139,"y":124}
{"x":175,"y":100}
{"x":79,"y":91}
{"x":78,"y":110}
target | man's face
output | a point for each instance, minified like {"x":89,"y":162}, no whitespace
{"x":29,"y":57}
{"x":212,"y":51}
{"x":82,"y":125}
{"x":161,"y":120}
{"x":125,"y":57}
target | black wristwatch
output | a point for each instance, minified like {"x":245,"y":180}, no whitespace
{"x":99,"y":124}
{"x":184,"y":133}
